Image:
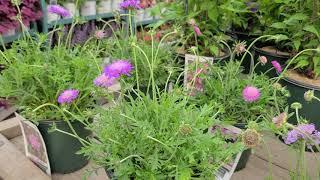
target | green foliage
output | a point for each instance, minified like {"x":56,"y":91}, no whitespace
{"x":159,"y":139}
{"x":223,"y":88}
{"x":36,"y":75}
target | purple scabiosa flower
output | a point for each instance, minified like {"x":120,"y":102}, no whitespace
{"x":68,"y":96}
{"x":252,"y":6}
{"x":56,"y":9}
{"x":250,"y":94}
{"x":130,"y":4}
{"x":299,"y":133}
{"x":99,"y":34}
{"x":280,"y":120}
{"x":263,"y":60}
{"x":104,"y":81}
{"x":277,"y":66}
{"x":197,"y":30}
{"x":118,"y":68}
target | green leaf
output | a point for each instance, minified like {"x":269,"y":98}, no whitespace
{"x":302,"y":63}
{"x":213,"y":15}
{"x":278,"y":25}
{"x":214,"y":49}
{"x":185,"y":174}
{"x":312,"y":29}
{"x":315,"y":61}
{"x":297,"y":44}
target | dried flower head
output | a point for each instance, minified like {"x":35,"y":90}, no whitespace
{"x":68,"y":96}
{"x":130,"y":4}
{"x":263,"y":60}
{"x":118,"y":68}
{"x":240,"y":47}
{"x":280,"y":120}
{"x":61,"y":11}
{"x":104,"y":81}
{"x":277,"y":66}
{"x":185,"y":129}
{"x":251,"y":94}
{"x":99,"y":34}
{"x":251,"y":138}
{"x":309,"y":95}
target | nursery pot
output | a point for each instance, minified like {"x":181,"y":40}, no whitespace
{"x":242,"y":36}
{"x":88,"y":8}
{"x":310,"y":110}
{"x":271,"y":54}
{"x":104,"y":6}
{"x":244,"y":158}
{"x":72,"y":8}
{"x":62,"y":148}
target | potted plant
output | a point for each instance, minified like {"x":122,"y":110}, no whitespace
{"x":54,"y":89}
{"x":168,"y":139}
{"x":239,"y":99}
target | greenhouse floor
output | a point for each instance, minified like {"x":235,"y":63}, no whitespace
{"x":257,"y":168}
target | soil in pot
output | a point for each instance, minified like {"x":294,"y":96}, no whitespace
{"x":272,"y":54}
{"x":62,"y":148}
{"x":297,"y":85}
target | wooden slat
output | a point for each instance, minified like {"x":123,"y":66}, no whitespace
{"x":258,"y":169}
{"x":4,"y":113}
{"x":10,"y":128}
{"x":14,"y":165}
{"x":284,"y":156}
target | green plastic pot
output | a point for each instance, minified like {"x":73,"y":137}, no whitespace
{"x":62,"y":148}
{"x":310,"y":110}
{"x":244,"y":158}
{"x":282,"y":59}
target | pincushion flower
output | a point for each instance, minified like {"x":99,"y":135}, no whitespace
{"x":197,"y":30}
{"x":68,"y":96}
{"x":61,"y":11}
{"x":104,"y":81}
{"x":99,"y":34}
{"x":251,"y":94}
{"x":263,"y":60}
{"x":118,"y":68}
{"x":130,"y":4}
{"x":300,"y":133}
{"x":240,"y":47}
{"x":277,"y":66}
{"x":280,"y":120}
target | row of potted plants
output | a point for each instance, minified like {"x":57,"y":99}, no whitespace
{"x":162,"y":127}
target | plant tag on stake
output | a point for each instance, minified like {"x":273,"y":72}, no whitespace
{"x":195,"y":67}
{"x":35,"y":147}
{"x":226,"y":171}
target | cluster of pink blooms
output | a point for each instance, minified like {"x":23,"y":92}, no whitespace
{"x":195,"y":81}
{"x":196,"y":29}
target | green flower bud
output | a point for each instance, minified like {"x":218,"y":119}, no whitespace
{"x":296,"y":105}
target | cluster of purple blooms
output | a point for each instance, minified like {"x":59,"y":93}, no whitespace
{"x":130,"y":4}
{"x":303,"y":131}
{"x":59,"y":10}
{"x":110,"y":74}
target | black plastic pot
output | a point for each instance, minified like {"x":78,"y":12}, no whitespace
{"x":282,"y":59}
{"x":244,"y":158}
{"x":310,"y":110}
{"x":242,"y":36}
{"x":62,"y":148}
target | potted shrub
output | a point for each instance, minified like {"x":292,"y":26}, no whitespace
{"x":158,"y":139}
{"x":239,"y":99}
{"x":54,"y":89}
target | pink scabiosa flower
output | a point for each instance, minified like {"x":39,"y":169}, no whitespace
{"x":118,"y":68}
{"x":280,"y":120}
{"x":277,"y":66}
{"x":250,"y":94}
{"x":68,"y":96}
{"x":130,"y":4}
{"x":61,"y":11}
{"x":197,"y":30}
{"x":104,"y":81}
{"x":99,"y":34}
{"x":240,"y":47}
{"x":263,"y":60}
